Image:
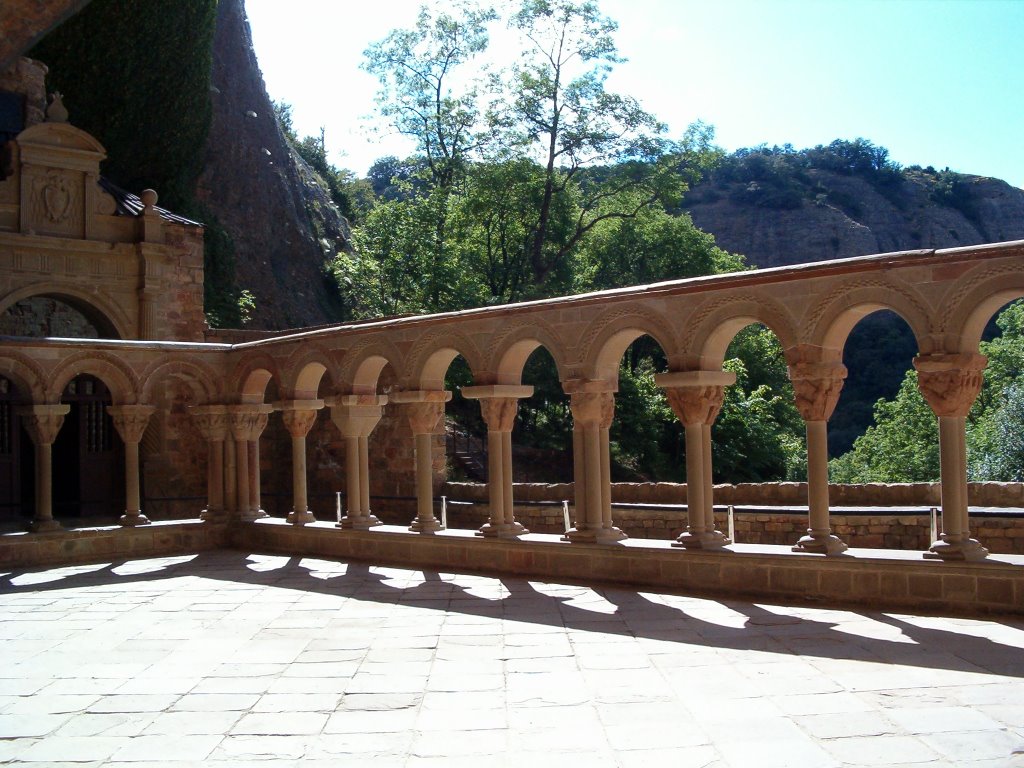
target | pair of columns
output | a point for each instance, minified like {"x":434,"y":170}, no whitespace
{"x":949,"y":383}
{"x":232,"y":433}
{"x":593,"y":406}
{"x":43,"y":423}
{"x":696,"y":398}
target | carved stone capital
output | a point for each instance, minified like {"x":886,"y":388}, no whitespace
{"x":211,"y":421}
{"x":950,"y":382}
{"x":817,"y":387}
{"x":247,"y":421}
{"x":592,"y":408}
{"x":299,"y":415}
{"x":424,"y":409}
{"x":43,"y":422}
{"x":696,"y":405}
{"x":424,"y":417}
{"x":356,"y":419}
{"x":130,"y":420}
{"x":499,"y":413}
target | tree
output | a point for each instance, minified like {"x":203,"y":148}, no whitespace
{"x":418,"y":70}
{"x":559,"y":113}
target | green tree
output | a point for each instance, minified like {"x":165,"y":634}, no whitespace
{"x":421,"y":94}
{"x":902,"y":446}
{"x":558,"y":111}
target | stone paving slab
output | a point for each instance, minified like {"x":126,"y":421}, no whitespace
{"x":231,"y":659}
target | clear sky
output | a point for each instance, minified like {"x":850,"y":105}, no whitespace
{"x":937,"y":82}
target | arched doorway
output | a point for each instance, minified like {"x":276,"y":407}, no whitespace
{"x":88,"y":455}
{"x":17,"y":463}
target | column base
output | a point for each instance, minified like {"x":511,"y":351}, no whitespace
{"x":702,"y":540}
{"x":359,"y":523}
{"x":132,"y":519}
{"x":213,"y":516}
{"x":248,"y":516}
{"x":827,"y":544}
{"x":45,"y":526}
{"x":433,"y":525}
{"x":968,"y":549}
{"x":594,"y":535}
{"x":502,"y":531}
{"x":300,"y":518}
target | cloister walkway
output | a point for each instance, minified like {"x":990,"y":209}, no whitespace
{"x":230,"y":658}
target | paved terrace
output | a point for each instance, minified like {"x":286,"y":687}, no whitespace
{"x":231,"y":658}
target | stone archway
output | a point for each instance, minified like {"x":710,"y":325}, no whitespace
{"x":56,"y":315}
{"x":90,"y":453}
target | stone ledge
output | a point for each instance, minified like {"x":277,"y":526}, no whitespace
{"x":876,"y":579}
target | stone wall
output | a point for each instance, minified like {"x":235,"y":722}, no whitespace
{"x":899,"y":527}
{"x":768,"y":494}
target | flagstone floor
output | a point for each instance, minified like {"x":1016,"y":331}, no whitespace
{"x":231,"y":659}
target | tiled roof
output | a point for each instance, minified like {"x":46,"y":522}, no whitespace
{"x":129,"y":204}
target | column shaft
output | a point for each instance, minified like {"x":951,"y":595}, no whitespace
{"x":694,"y":477}
{"x":242,"y":479}
{"x":44,"y":489}
{"x":364,"y":480}
{"x":425,"y":521}
{"x":255,"y":503}
{"x":352,"y":485}
{"x":230,"y":477}
{"x":215,"y":479}
{"x":506,"y":482}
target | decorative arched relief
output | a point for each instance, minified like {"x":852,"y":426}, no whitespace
{"x":508,"y":351}
{"x":714,"y":325}
{"x":27,"y":375}
{"x":362,"y":365}
{"x":179,"y":366}
{"x":119,"y":378}
{"x":431,"y":356}
{"x":248,"y":381}
{"x":95,"y":304}
{"x":968,"y":306}
{"x":599,"y":347}
{"x":305,"y":369}
{"x":830,"y":321}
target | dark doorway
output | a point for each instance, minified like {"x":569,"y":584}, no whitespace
{"x":88,"y":455}
{"x":17,"y":465}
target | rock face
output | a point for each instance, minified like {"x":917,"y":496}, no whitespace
{"x":263,"y":194}
{"x":867,"y":222}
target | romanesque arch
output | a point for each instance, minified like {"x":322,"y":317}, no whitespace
{"x":509,"y":351}
{"x":608,"y":337}
{"x":99,"y":309}
{"x":716,"y":324}
{"x":969,"y":306}
{"x":433,"y":354}
{"x":110,"y":369}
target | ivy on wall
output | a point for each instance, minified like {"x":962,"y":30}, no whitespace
{"x":136,"y":75}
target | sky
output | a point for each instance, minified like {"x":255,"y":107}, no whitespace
{"x":937,"y":82}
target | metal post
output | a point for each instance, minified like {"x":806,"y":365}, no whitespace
{"x":444,"y":512}
{"x":565,"y":514}
{"x":732,"y":523}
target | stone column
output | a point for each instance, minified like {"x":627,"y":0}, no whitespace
{"x":817,"y":387}
{"x":593,"y":406}
{"x":950,"y":383}
{"x":212,"y":423}
{"x":130,"y":422}
{"x":43,"y":422}
{"x":247,"y":422}
{"x":425,"y":411}
{"x":356,"y":416}
{"x":696,"y":398}
{"x":298,"y":417}
{"x":498,"y":406}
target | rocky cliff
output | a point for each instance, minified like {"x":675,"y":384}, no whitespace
{"x":282,"y":222}
{"x":856,"y":217}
